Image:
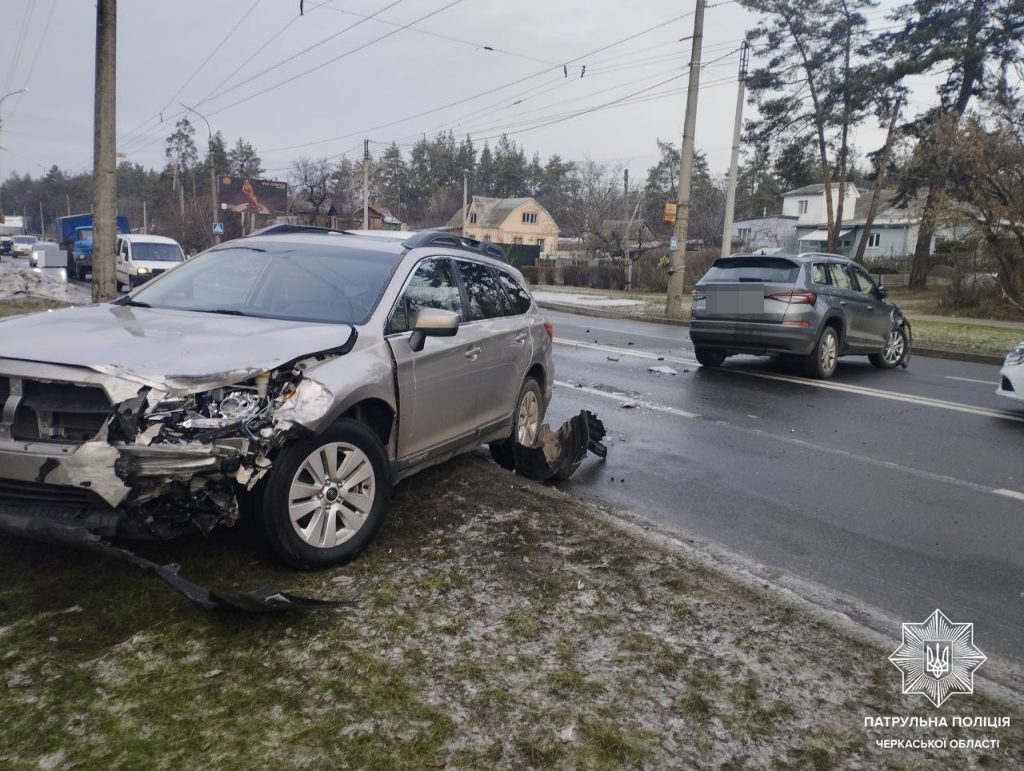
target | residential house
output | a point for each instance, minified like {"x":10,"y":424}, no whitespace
{"x":509,"y":221}
{"x":803,"y":224}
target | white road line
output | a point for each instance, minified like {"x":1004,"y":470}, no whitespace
{"x":878,"y":393}
{"x":803,"y":443}
{"x":971,"y":380}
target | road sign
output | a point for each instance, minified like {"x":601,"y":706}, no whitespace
{"x":669,"y":215}
{"x":218,"y":228}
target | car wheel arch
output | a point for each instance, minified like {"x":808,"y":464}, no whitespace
{"x":376,"y":414}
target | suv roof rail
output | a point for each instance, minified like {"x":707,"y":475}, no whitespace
{"x":440,"y":238}
{"x":277,"y":230}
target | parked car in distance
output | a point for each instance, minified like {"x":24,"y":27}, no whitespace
{"x":6,"y":244}
{"x":47,"y":254}
{"x":1011,"y":376}
{"x":300,"y":373}
{"x":21,"y":246}
{"x":142,"y":257}
{"x":814,"y":306}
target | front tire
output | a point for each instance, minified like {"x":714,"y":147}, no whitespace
{"x":893,"y":352}
{"x":325,"y":496}
{"x":526,"y":420}
{"x":823,"y":359}
{"x":709,"y":357}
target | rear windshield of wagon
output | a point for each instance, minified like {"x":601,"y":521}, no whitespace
{"x":766,"y":269}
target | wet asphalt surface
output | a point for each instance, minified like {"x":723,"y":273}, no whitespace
{"x":894,"y":487}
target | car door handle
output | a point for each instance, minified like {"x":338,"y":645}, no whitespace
{"x":472,"y":353}
{"x":521,"y":337}
{"x":870,"y":307}
{"x":842,"y":302}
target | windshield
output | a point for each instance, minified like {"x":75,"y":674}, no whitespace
{"x":24,"y":239}
{"x":84,"y":234}
{"x":157,"y":252}
{"x":298,"y":282}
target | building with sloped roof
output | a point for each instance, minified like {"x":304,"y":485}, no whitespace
{"x":508,"y":221}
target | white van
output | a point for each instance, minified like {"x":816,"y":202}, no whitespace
{"x":140,"y":257}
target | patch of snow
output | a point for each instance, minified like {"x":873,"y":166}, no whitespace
{"x":598,"y":301}
{"x":20,"y":280}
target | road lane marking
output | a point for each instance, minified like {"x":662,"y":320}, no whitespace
{"x":971,"y":380}
{"x":805,"y":444}
{"x":878,"y":393}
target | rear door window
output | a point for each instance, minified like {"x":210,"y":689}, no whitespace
{"x":839,"y":276}
{"x":518,"y":296}
{"x":754,"y":269}
{"x":483,"y":292}
{"x":433,"y":285}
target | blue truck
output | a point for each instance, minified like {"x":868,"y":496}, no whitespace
{"x":74,"y":233}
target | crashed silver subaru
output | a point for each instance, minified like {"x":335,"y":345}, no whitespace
{"x":294,"y":373}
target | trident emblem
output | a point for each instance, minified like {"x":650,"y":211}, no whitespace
{"x":937,"y":660}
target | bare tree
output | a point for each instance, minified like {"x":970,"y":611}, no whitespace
{"x":312,"y":180}
{"x":592,"y":196}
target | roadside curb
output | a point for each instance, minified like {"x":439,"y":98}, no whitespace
{"x":603,"y":313}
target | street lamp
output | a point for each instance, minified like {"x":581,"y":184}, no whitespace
{"x":213,"y":172}
{"x":13,"y":93}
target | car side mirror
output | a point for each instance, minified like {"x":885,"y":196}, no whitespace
{"x":882,"y":292}
{"x":432,"y":322}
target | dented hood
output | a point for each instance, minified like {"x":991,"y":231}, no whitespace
{"x":164,"y":348}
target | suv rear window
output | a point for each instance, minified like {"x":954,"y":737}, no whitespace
{"x":774,"y":269}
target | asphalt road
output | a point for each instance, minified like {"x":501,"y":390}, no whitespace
{"x":902,"y":489}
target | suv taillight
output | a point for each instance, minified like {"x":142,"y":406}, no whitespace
{"x":698,"y":293}
{"x":796,"y":298}
{"x":549,"y":330}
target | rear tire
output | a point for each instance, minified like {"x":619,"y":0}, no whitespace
{"x":821,"y":363}
{"x":325,"y":496}
{"x":893,"y":352}
{"x":709,"y":357}
{"x":503,"y":450}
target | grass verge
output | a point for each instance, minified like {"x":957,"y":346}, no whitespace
{"x":496,"y":626}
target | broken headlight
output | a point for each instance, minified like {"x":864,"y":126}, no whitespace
{"x":219,"y":408}
{"x":1016,"y":356}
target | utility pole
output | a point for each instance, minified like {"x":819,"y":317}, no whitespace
{"x":366,"y":184}
{"x":625,"y":224}
{"x":12,"y":93}
{"x":465,"y":202}
{"x":677,"y":256}
{"x":42,"y":222}
{"x":730,"y":196}
{"x":67,"y":203}
{"x":145,"y":219}
{"x":213,"y":172}
{"x":104,"y":201}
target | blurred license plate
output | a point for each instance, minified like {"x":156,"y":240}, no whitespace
{"x":735,"y":299}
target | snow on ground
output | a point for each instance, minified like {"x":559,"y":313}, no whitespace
{"x":599,"y":301}
{"x":17,"y":279}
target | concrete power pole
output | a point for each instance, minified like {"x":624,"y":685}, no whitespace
{"x":730,"y":196}
{"x":366,"y":184}
{"x":104,"y":201}
{"x":465,"y":202}
{"x":677,"y":256}
{"x":625,"y":235}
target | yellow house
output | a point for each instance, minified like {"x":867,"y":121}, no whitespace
{"x":509,"y":221}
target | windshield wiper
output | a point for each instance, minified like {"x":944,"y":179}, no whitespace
{"x":134,"y":303}
{"x":222,"y":311}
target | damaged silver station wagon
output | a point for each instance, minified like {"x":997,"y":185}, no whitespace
{"x":295,"y":373}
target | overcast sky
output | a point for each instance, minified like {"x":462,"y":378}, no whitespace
{"x":217,"y":56}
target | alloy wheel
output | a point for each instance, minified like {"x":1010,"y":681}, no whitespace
{"x":528,"y":422}
{"x":894,"y":348}
{"x":331,"y":495}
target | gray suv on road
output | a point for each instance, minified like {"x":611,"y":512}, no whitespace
{"x":814,"y":306}
{"x":297,"y":374}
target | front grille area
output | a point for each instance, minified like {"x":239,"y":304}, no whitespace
{"x":1006,"y":384}
{"x":49,"y":411}
{"x":36,"y":494}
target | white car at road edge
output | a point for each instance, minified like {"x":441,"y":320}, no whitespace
{"x":1011,"y":376}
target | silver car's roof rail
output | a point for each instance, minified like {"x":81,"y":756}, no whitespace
{"x":277,"y":230}
{"x":439,"y":238}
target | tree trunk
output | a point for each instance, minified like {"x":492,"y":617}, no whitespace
{"x":925,"y":231}
{"x":876,"y":192}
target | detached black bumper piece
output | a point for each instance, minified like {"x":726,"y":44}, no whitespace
{"x":557,"y":455}
{"x":70,"y":534}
